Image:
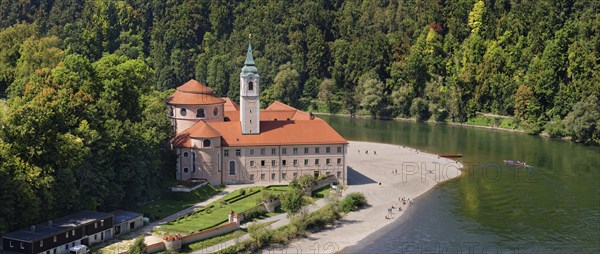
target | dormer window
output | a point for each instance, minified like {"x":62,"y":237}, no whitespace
{"x":200,"y":113}
{"x":206,"y":143}
{"x":250,"y":86}
{"x":183,"y":112}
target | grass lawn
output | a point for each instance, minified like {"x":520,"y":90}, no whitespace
{"x":212,"y":241}
{"x":216,"y":213}
{"x":173,"y":202}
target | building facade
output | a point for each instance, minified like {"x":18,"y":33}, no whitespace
{"x":226,"y":143}
{"x":58,"y":235}
{"x":125,"y":221}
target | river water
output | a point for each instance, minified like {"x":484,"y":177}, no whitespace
{"x":550,"y":206}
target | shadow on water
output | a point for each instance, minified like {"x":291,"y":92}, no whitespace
{"x":356,"y":178}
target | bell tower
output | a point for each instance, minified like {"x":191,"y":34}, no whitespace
{"x":250,"y":96}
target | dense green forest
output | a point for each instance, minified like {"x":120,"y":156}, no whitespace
{"x":83,"y":82}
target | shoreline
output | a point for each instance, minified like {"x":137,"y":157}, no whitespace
{"x":403,"y":119}
{"x":405,"y":172}
{"x":542,"y":134}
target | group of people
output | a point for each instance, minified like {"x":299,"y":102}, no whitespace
{"x":367,"y":152}
{"x":404,"y":200}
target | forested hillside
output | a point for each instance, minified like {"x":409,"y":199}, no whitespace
{"x":83,"y":117}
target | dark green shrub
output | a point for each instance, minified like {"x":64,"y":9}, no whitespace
{"x":353,"y":202}
{"x":254,"y":212}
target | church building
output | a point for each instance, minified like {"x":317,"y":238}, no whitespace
{"x":222,"y":142}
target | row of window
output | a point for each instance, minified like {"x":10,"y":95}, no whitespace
{"x":284,"y":175}
{"x":263,"y":163}
{"x":199,"y":112}
{"x":295,"y":162}
{"x":263,"y":151}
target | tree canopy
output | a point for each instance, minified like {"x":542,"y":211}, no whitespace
{"x":83,"y":82}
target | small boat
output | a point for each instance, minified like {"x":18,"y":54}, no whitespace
{"x":515,"y":163}
{"x":452,"y":155}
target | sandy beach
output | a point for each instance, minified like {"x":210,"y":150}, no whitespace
{"x":393,"y":173}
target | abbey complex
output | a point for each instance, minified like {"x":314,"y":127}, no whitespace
{"x":222,"y":142}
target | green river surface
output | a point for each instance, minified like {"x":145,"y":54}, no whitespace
{"x":551,"y":206}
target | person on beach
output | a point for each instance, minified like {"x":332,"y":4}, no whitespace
{"x":374,"y":152}
{"x":367,"y":152}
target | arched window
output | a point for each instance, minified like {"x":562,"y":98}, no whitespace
{"x":232,"y":167}
{"x":185,"y":170}
{"x":216,"y":111}
{"x":206,"y":143}
{"x":250,"y":86}
{"x":200,"y":113}
{"x":171,"y":111}
{"x":183,"y":112}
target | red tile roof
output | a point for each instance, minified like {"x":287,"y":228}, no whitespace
{"x":277,"y":105}
{"x":302,"y":132}
{"x":182,"y":140}
{"x":298,"y":130}
{"x":203,"y":130}
{"x":193,"y":93}
{"x":194,"y":86}
{"x":231,"y":105}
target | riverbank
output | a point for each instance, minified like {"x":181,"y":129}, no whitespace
{"x":385,"y":175}
{"x":403,"y":119}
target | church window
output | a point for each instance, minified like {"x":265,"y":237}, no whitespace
{"x":317,"y":150}
{"x":272,"y":176}
{"x":283,"y":150}
{"x":295,"y":150}
{"x":339,"y":160}
{"x":251,"y":151}
{"x":200,"y":113}
{"x":186,"y":154}
{"x":183,"y":112}
{"x":251,"y":163}
{"x":305,"y":150}
{"x":316,"y":161}
{"x":284,"y":162}
{"x":206,"y":143}
{"x":273,"y":151}
{"x":232,"y":168}
{"x":238,"y":152}
{"x":327,"y":161}
{"x":170,"y":111}
{"x":250,"y":86}
{"x":295,"y":162}
{"x":262,"y":163}
{"x":339,"y":149}
{"x":328,"y":149}
{"x":273,"y":163}
{"x":262,"y":151}
{"x":185,"y":170}
{"x":216,"y":111}
{"x":305,"y":162}
{"x":226,"y":153}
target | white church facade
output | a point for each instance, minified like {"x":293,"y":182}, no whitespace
{"x":225,"y":143}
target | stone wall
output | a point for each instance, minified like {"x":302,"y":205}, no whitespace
{"x":209,"y":233}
